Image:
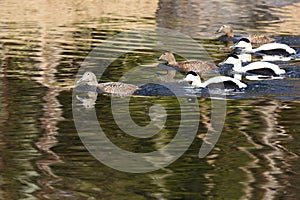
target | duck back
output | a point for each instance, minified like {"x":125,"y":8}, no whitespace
{"x":197,"y":66}
{"x":118,"y":88}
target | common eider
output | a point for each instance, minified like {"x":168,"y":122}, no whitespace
{"x":117,"y":88}
{"x":198,"y":66}
{"x":258,"y":68}
{"x":254,"y":38}
{"x":270,"y":49}
{"x":221,"y":82}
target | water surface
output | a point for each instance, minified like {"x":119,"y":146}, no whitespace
{"x":44,"y":43}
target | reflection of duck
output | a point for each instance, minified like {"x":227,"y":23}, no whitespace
{"x":259,"y":67}
{"x":271,"y":49}
{"x":198,"y":66}
{"x":118,"y":88}
{"x":228,"y":82}
{"x":88,"y":102}
{"x":254,"y":38}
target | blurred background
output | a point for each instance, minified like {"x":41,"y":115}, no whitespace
{"x":43,"y":43}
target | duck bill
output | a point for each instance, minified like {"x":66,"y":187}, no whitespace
{"x":233,"y":47}
{"x":80,"y":80}
{"x":221,"y":63}
{"x":159,"y":59}
{"x":218,"y":31}
{"x":237,"y":49}
{"x":187,"y":80}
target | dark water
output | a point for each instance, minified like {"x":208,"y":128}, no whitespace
{"x":45,"y":44}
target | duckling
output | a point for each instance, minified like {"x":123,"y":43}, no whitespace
{"x":117,"y":88}
{"x":277,"y":50}
{"x":198,"y":66}
{"x":214,"y":82}
{"x":258,"y":68}
{"x":254,"y":38}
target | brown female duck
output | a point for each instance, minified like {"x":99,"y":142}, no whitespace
{"x":198,"y":66}
{"x":117,"y":88}
{"x":254,"y":38}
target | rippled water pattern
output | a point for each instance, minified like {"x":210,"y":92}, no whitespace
{"x":42,"y":47}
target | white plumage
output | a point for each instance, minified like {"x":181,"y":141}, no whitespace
{"x":259,"y":67}
{"x":271,"y":49}
{"x":228,"y":82}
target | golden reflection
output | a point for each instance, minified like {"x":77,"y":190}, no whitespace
{"x":268,"y":138}
{"x":263,"y":149}
{"x":289,"y":21}
{"x":57,"y":13}
{"x":271,"y":137}
{"x":271,"y":186}
{"x":49,"y":60}
{"x":248,"y":189}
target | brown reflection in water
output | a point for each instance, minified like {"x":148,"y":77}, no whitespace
{"x":58,"y":13}
{"x":279,"y":155}
{"x":274,"y":156}
{"x":290,"y":26}
{"x":268,"y":160}
{"x":49,"y":60}
{"x":270,"y":136}
{"x":202,"y":18}
{"x":248,"y":189}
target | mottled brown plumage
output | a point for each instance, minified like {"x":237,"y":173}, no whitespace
{"x":254,"y":38}
{"x":117,"y":88}
{"x":198,"y":66}
{"x":260,"y":39}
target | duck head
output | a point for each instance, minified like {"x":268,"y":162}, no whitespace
{"x":232,"y":59}
{"x":225,"y":29}
{"x":88,"y":78}
{"x":193,"y":78}
{"x":243,"y":44}
{"x":168,"y":57}
{"x":235,"y":61}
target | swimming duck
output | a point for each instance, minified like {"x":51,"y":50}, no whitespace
{"x":254,"y":38}
{"x":117,"y":88}
{"x":198,"y":66}
{"x":272,"y":49}
{"x":258,"y":68}
{"x":214,"y":82}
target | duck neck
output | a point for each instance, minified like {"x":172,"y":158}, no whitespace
{"x":248,"y":49}
{"x":197,"y":82}
{"x":237,"y":66}
{"x":237,"y":76}
{"x":230,"y":33}
{"x":172,"y":61}
{"x":245,"y":57}
{"x":99,"y":86}
{"x":93,"y":83}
